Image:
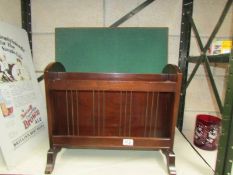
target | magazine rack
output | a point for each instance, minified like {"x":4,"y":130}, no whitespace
{"x":112,"y":111}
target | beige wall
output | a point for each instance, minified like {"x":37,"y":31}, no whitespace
{"x":49,"y":14}
{"x":10,"y":12}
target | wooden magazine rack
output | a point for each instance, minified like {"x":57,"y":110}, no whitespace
{"x":112,"y":110}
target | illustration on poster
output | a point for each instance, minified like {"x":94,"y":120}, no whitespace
{"x":5,"y":69}
{"x":10,"y":72}
{"x":6,"y":106}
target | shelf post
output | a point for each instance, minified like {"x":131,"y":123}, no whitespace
{"x":185,"y":35}
{"x":26,"y":19}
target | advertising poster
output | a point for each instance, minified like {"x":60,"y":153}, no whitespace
{"x":22,"y":113}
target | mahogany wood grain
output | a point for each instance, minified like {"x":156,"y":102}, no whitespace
{"x":111,"y":142}
{"x":100,"y":110}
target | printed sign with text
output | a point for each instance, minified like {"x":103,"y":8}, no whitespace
{"x":22,"y":112}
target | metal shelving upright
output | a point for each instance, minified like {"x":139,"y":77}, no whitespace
{"x":26,"y":19}
{"x":225,"y":148}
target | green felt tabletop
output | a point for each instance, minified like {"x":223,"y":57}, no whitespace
{"x":123,"y":50}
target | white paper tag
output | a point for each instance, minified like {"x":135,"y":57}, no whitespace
{"x":127,"y":142}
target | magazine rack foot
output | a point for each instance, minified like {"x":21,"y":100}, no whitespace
{"x":51,"y":157}
{"x":170,"y":156}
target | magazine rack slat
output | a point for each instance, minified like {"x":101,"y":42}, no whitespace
{"x":112,"y":110}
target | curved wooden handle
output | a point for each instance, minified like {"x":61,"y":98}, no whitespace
{"x":55,"y":67}
{"x":171,"y":69}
